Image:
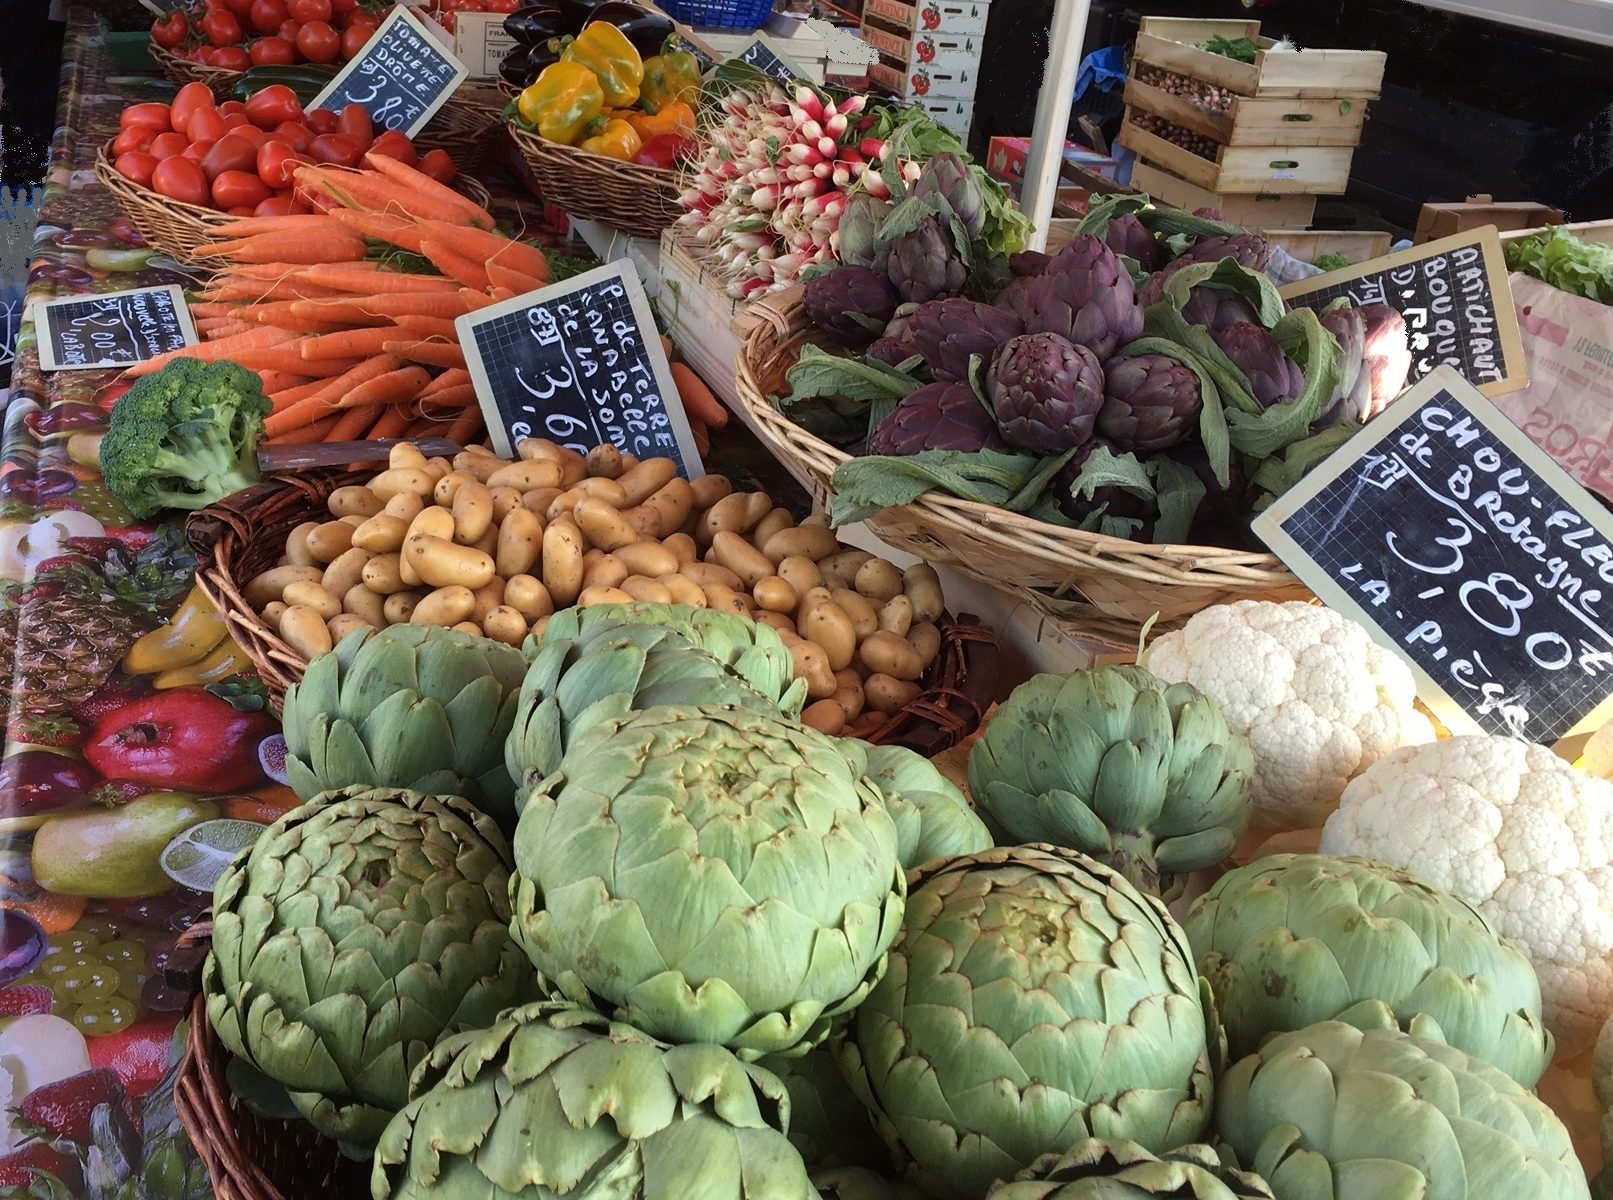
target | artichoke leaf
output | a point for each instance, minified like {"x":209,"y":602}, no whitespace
{"x":1282,"y":471}
{"x":909,"y":214}
{"x":1179,"y":492}
{"x":1231,"y":276}
{"x":1025,"y":499}
{"x":819,"y":373}
{"x":865,"y":486}
{"x":1303,"y":338}
{"x":1101,"y":211}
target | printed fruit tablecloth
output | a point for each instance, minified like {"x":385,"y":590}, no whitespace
{"x":129,"y":723}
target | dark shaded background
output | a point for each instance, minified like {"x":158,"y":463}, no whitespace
{"x":30,"y":68}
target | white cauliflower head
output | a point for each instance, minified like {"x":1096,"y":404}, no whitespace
{"x":1519,"y":834}
{"x":1317,"y":698}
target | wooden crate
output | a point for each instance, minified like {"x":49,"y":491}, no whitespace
{"x":1173,"y":43}
{"x":1445,"y":220}
{"x":1265,"y":211}
{"x":1240,"y":170}
{"x":699,"y":316}
{"x":1308,"y":245}
{"x":1334,"y":121}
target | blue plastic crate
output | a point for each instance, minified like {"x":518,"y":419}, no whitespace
{"x":743,"y":15}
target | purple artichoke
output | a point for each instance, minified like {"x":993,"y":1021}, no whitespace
{"x":1129,"y":236}
{"x":1152,"y":290}
{"x":1083,"y":511}
{"x":939,"y":416}
{"x":1216,"y":308}
{"x":1149,"y":402}
{"x":925,"y":264}
{"x":837,"y":299}
{"x":1085,"y":296}
{"x":1388,"y":356}
{"x":948,"y":332}
{"x":1352,"y":398}
{"x":1248,"y":249}
{"x":855,"y":240}
{"x":1046,"y":391}
{"x":896,"y":344}
{"x":1028,"y":262}
{"x":1222,"y":507}
{"x":950,"y":178}
{"x":1273,"y":377}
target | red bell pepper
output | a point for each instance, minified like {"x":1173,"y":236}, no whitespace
{"x":665,"y":150}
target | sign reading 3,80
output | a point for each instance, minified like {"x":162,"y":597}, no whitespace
{"x":1446,"y":531}
{"x":401,"y":77}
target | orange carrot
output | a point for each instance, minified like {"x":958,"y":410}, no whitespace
{"x":474,"y":299}
{"x":702,"y":437}
{"x":279,"y":381}
{"x":367,"y":189}
{"x":382,"y":227}
{"x":488,"y":247}
{"x":455,"y":377}
{"x":697,"y":399}
{"x":213,"y":328}
{"x":428,"y":326}
{"x":465,"y":426}
{"x":394,"y":422}
{"x":496,"y":295}
{"x":336,"y":245}
{"x":288,"y":358}
{"x":454,"y":397}
{"x":506,"y":277}
{"x":421,"y":304}
{"x":227,"y":311}
{"x":432,"y":354}
{"x":306,"y":434}
{"x":318,"y":404}
{"x":342,"y":311}
{"x":218,"y":351}
{"x":427,"y":427}
{"x":392,"y":388}
{"x":418,"y":183}
{"x":258,"y":290}
{"x":268,"y":271}
{"x":349,"y":342}
{"x":288,"y":396}
{"x":455,"y":265}
{"x":364,"y":279}
{"x":242,"y":227}
{"x":352,"y":423}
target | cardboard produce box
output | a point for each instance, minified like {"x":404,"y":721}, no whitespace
{"x":941,"y":17}
{"x":1005,"y":160}
{"x":1445,"y":220}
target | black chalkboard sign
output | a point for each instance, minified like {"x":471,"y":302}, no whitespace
{"x":1455,"y":298}
{"x":762,"y":55}
{"x":401,"y":77}
{"x":579,"y":363}
{"x":114,"y":329}
{"x":1448,"y":533}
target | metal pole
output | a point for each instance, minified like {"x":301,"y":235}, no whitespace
{"x":1053,"y":115}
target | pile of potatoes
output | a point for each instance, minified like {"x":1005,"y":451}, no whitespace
{"x":492,"y":547}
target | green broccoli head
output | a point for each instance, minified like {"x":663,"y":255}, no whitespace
{"x":185,"y":436}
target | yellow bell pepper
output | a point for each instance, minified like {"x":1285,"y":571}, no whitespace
{"x":605,"y":50}
{"x":226,"y":660}
{"x":561,"y":102}
{"x":670,"y":77}
{"x":676,"y":118}
{"x":194,"y":631}
{"x":615,"y":140}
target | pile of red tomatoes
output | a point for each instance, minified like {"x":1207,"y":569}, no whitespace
{"x":245,"y":33}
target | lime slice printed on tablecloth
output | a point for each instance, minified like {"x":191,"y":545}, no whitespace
{"x":197,"y":857}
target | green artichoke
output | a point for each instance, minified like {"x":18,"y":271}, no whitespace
{"x":1035,"y":998}
{"x":1120,"y":1170}
{"x":859,"y":1183}
{"x":357,"y":932}
{"x":828,"y":1124}
{"x":709,"y":875}
{"x":555,"y":1101}
{"x":1114,"y":762}
{"x":750,"y":650}
{"x":1294,"y":939}
{"x":610,"y":669}
{"x":409,"y":706}
{"x":933,"y":819}
{"x":1334,"y":1113}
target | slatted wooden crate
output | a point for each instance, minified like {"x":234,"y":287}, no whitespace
{"x":1258,"y":211}
{"x":1173,"y":44}
{"x":1272,"y":170}
{"x":1247,"y":121}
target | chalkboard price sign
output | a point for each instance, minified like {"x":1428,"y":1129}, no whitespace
{"x":401,"y":77}
{"x":766,"y":58}
{"x":114,"y":329}
{"x":1461,"y":545}
{"x":1455,"y":298}
{"x":579,"y":363}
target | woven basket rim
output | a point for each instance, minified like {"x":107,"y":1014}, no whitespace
{"x":214,"y":77}
{"x":206,"y":216}
{"x":639,"y":200}
{"x":781,"y":318}
{"x":525,"y":138}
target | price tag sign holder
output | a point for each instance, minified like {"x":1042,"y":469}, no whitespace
{"x":757,"y":53}
{"x":1559,"y":533}
{"x":400,"y":19}
{"x":105,"y":315}
{"x":513,"y":382}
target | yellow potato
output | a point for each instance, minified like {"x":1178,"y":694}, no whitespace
{"x":383,"y":574}
{"x":779,"y":621}
{"x":564,"y":502}
{"x":447,"y":606}
{"x":684,"y":590}
{"x":439,"y":466}
{"x":573,"y":467}
{"x":520,"y":541}
{"x":801,"y":541}
{"x":670,"y":504}
{"x":849,"y":693}
{"x":527,"y":596}
{"x":448,"y":487}
{"x":709,"y":489}
{"x":802,"y":574}
{"x":538,"y":450}
{"x":434,"y":522}
{"x":886,"y":653}
{"x":603,"y":523}
{"x":682,"y":547}
{"x":405,"y":506}
{"x":298,"y":552}
{"x":812,"y":665}
{"x":538,"y":628}
{"x":368,"y":606}
{"x":604,"y":461}
{"x":399,"y":606}
{"x":406,"y":572}
{"x":757,"y":506}
{"x":352,"y":519}
{"x":488,"y":597}
{"x":562,"y":562}
{"x":644,"y":480}
{"x":840,"y":569}
{"x":272,"y":612}
{"x":809,"y":600}
{"x":480,"y":467}
{"x":591,"y":596}
{"x":650,"y":559}
{"x":472,"y":512}
{"x":608,"y":490}
{"x":878,"y":580}
{"x":732,"y":551}
{"x":887,"y":695}
{"x":826,"y":716}
{"x":775,"y":595}
{"x":329,"y":541}
{"x":925,"y":639}
{"x":776,"y":521}
{"x":405,"y":454}
{"x":897,"y":615}
{"x":381,"y":534}
{"x":314,"y":596}
{"x":354,"y":500}
{"x":818,"y":520}
{"x":394,"y":480}
{"x":470,"y":627}
{"x":605,"y":571}
{"x":304,"y":631}
{"x":708,"y":574}
{"x":726,"y":599}
{"x":525,"y":476}
{"x":505,"y":624}
{"x":505,"y":501}
{"x":728,"y":513}
{"x":864,"y":616}
{"x":923,"y":588}
{"x":827,"y":624}
{"x":441,"y":563}
{"x":646,"y":591}
{"x":343,"y":624}
{"x":271,"y":585}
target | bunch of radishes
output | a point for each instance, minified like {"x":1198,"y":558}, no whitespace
{"x":767,"y":197}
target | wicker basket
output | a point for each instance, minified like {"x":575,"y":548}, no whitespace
{"x":175,"y":228}
{"x":219,"y":80}
{"x":244,"y":535}
{"x":641,"y":201}
{"x":466,"y":129}
{"x":1065,"y":573}
{"x":247,"y":1156}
